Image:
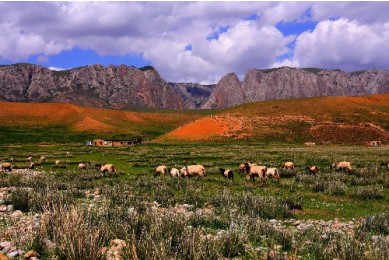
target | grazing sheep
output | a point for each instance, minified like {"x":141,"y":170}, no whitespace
{"x":193,"y":170}
{"x":41,"y":160}
{"x":108,"y":168}
{"x":273,"y":173}
{"x":313,"y":169}
{"x":30,"y":158}
{"x":81,"y":166}
{"x":6,"y":167}
{"x":342,"y":165}
{"x":242,"y":167}
{"x":386,"y":164}
{"x":288,"y":166}
{"x":174,"y":172}
{"x":57,"y":162}
{"x":227,"y":173}
{"x":68,"y":154}
{"x":12,"y":159}
{"x":253,"y":171}
{"x":160,"y":170}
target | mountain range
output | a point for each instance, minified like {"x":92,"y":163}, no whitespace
{"x":124,"y":87}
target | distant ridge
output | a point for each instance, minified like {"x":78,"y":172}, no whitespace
{"x":129,"y":88}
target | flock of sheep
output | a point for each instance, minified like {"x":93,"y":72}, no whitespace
{"x":252,"y":170}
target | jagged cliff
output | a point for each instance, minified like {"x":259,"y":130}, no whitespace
{"x":118,"y":87}
{"x":193,"y":94}
{"x":123,"y":87}
{"x":285,"y":82}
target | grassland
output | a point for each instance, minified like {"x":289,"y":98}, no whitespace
{"x":168,"y":210}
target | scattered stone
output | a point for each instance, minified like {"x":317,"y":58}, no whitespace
{"x":13,"y":253}
{"x":5,"y":244}
{"x":17,"y":214}
{"x":298,"y":222}
{"x":3,"y":208}
{"x":10,"y":208}
{"x":6,"y":249}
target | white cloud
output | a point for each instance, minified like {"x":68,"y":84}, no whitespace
{"x":160,"y":31}
{"x":344,"y":44}
{"x":56,"y":68}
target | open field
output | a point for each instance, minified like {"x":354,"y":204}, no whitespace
{"x":331,"y":215}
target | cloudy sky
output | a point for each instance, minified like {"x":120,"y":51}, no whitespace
{"x":197,"y":41}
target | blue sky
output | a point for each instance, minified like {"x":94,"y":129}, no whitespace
{"x":196,"y":41}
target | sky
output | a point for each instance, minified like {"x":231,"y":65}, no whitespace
{"x":197,"y":41}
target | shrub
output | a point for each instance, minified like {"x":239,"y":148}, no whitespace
{"x":336,"y":188}
{"x":368,"y":193}
{"x":377,"y":223}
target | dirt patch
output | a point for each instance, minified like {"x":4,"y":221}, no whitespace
{"x":210,"y":127}
{"x":343,"y":133}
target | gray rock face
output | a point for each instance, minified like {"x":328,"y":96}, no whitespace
{"x":228,"y":92}
{"x":118,"y":87}
{"x":122,"y":87}
{"x":194,"y":95}
{"x":285,"y":82}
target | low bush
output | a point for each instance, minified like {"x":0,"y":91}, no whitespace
{"x":366,"y":193}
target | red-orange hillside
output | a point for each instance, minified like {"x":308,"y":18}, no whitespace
{"x":89,"y":119}
{"x":324,"y":119}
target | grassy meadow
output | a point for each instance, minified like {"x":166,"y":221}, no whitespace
{"x":202,"y":218}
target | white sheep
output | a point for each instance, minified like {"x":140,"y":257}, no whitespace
{"x":342,"y":165}
{"x":41,"y":160}
{"x":160,"y":170}
{"x":174,"y":172}
{"x":273,"y":173}
{"x":81,"y":166}
{"x":193,"y":170}
{"x":227,"y":173}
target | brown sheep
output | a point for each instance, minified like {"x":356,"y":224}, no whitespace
{"x":242,"y":167}
{"x":160,"y":170}
{"x":342,"y":165}
{"x":193,"y":170}
{"x":108,"y":168}
{"x":288,"y":166}
{"x":313,"y":169}
{"x":6,"y":167}
{"x":253,"y":171}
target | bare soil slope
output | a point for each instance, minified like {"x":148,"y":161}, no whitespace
{"x":348,"y":120}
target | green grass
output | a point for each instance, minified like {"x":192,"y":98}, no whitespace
{"x":142,"y":159}
{"x":240,"y":209}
